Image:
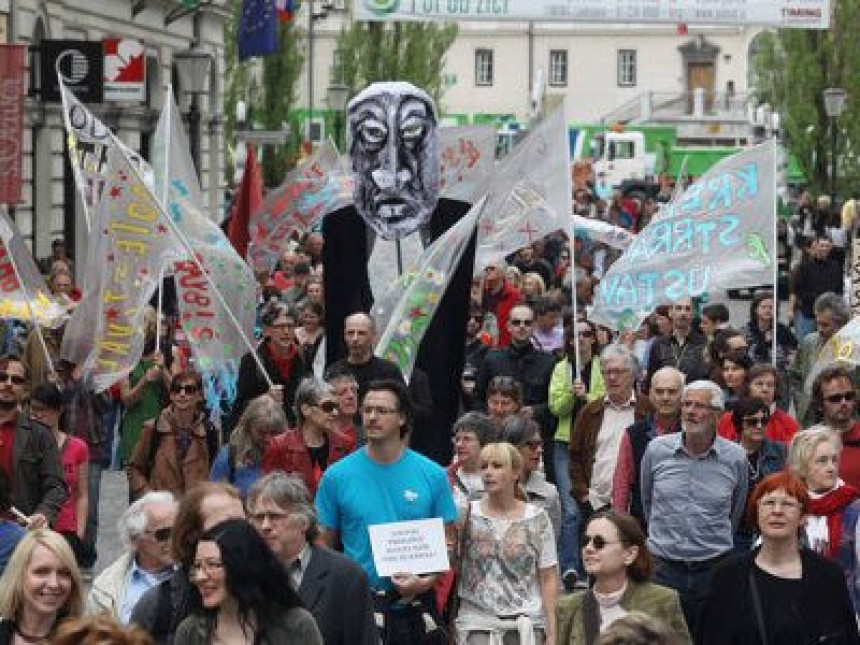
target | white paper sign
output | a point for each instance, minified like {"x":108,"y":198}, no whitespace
{"x":417,"y":546}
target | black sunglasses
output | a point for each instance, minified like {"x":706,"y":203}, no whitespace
{"x":162,"y":535}
{"x":756,"y":422}
{"x":188,"y":389}
{"x":328,"y":407}
{"x":598,"y":541}
{"x":839,"y":397}
{"x":6,"y":377}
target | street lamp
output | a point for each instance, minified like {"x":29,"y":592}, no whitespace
{"x":834,"y":106}
{"x":338,"y":95}
{"x":192,"y":66}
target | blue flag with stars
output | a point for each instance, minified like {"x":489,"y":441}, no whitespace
{"x":258,"y":29}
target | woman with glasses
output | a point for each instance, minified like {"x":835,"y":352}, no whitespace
{"x":834,"y":506}
{"x":246,"y":594}
{"x":240,"y":462}
{"x":508,"y":586}
{"x":176,"y":450}
{"x":619,"y":565}
{"x":46,"y":406}
{"x":782,"y":592}
{"x":40,"y":588}
{"x":763,"y":384}
{"x":524,"y":434}
{"x":316,"y":443}
{"x":764,"y":457}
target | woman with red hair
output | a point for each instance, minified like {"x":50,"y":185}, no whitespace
{"x":781,"y":592}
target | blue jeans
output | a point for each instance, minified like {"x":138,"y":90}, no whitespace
{"x":568,"y":539}
{"x":803,"y":325}
{"x":692,"y":585}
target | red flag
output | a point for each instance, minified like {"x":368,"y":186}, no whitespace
{"x":13,"y":78}
{"x":248,"y":200}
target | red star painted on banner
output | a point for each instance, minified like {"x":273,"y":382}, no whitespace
{"x":487,"y":227}
{"x":112,"y":314}
{"x":116,"y":192}
{"x":161,"y":229}
{"x":416,"y":312}
{"x":143,"y":271}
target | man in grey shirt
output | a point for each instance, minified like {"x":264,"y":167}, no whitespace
{"x":694,"y":487}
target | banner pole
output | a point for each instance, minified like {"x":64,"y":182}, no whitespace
{"x":574,"y":304}
{"x":186,"y":245}
{"x":775,"y":261}
{"x":36,"y":326}
{"x":159,"y":307}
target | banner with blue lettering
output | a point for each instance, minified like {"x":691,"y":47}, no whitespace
{"x":717,"y":235}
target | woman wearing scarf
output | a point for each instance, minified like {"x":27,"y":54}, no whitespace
{"x":834,"y":509}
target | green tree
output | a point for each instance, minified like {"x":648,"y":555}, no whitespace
{"x":269,"y":91}
{"x":397,"y":51}
{"x":793,"y":67}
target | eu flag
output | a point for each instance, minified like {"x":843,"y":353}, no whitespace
{"x":258,"y":29}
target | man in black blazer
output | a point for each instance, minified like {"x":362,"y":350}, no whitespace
{"x":332,"y":587}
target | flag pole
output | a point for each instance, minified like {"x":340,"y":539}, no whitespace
{"x":186,"y":245}
{"x":36,"y":326}
{"x":159,"y":307}
{"x":574,"y":304}
{"x":775,"y":253}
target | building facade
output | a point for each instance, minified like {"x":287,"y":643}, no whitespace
{"x":50,"y":207}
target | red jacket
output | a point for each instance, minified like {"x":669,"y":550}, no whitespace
{"x":781,"y":427}
{"x":849,"y":457}
{"x":289,"y":452}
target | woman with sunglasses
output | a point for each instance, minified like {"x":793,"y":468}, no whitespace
{"x":618,"y":562}
{"x":508,"y":586}
{"x":782,"y":592}
{"x":46,"y":406}
{"x":316,"y":443}
{"x":246,"y":593}
{"x":240,"y":462}
{"x":834,"y":506}
{"x":176,"y":451}
{"x":763,"y":384}
{"x":764,"y":457}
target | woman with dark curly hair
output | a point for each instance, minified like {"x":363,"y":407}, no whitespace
{"x":246,"y":593}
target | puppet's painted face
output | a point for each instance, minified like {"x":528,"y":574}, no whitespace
{"x":395,"y":157}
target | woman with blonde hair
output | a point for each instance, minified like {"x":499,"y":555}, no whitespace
{"x":240,"y":462}
{"x":99,"y":630}
{"x":40,"y":588}
{"x":508,"y":587}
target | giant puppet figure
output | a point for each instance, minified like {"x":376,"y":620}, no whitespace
{"x":393,"y":146}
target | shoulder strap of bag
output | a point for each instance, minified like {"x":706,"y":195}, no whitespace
{"x":756,"y":602}
{"x":590,"y":617}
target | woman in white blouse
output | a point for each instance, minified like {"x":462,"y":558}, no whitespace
{"x":508,"y":587}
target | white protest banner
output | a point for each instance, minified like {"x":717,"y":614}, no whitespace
{"x":529,"y":194}
{"x":843,"y":348}
{"x":416,"y":546}
{"x":718,"y":235}
{"x":468,"y":155}
{"x":604,"y":232}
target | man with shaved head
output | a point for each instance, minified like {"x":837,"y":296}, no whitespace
{"x":359,"y":334}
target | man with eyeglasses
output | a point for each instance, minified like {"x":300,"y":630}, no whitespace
{"x":834,"y":396}
{"x":145,"y":530}
{"x":531,"y":367}
{"x":694,"y":491}
{"x":28,"y":452}
{"x":381,"y":483}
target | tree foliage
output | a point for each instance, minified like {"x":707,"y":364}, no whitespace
{"x":793,"y":67}
{"x":269,"y":91}
{"x":377,"y":51}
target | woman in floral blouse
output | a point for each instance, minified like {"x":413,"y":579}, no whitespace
{"x":508,"y":585}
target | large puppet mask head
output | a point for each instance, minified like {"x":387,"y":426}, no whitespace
{"x":395,"y":157}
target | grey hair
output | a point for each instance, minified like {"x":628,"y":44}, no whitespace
{"x":262,"y":412}
{"x":668,"y":370}
{"x":836,"y":305}
{"x":803,"y":446}
{"x":289,"y":493}
{"x":617,"y":350}
{"x":310,"y":391}
{"x":132,"y":523}
{"x":703,"y":385}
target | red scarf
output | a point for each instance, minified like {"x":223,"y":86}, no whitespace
{"x":831,"y":505}
{"x":284,"y":364}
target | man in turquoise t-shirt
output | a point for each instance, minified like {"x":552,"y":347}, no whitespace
{"x":384,"y":482}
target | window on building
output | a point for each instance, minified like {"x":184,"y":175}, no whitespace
{"x":626,"y":67}
{"x":483,"y":67}
{"x":558,"y":67}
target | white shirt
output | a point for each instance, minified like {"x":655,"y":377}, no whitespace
{"x":616,"y":419}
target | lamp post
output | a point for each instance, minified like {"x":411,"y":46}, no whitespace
{"x":338,"y":95}
{"x":192,"y":66}
{"x":834,"y":106}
